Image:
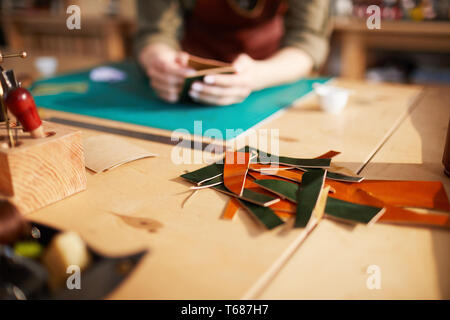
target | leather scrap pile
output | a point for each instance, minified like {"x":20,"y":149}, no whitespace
{"x":275,"y":189}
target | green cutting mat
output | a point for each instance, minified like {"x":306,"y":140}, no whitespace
{"x":133,"y":101}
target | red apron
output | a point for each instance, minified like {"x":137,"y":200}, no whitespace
{"x":216,"y":29}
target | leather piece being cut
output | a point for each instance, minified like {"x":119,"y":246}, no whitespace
{"x":235,"y":171}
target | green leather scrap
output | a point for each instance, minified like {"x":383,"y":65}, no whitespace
{"x":285,"y":189}
{"x":307,"y":196}
{"x":350,"y":211}
{"x":264,"y":157}
{"x":265,"y":215}
{"x":213,"y":181}
{"x":309,"y":163}
{"x":248,"y":196}
{"x":212,"y":175}
{"x":204,"y":173}
{"x":343,"y":177}
{"x":337,"y":208}
{"x":336,"y":176}
{"x":184,"y":96}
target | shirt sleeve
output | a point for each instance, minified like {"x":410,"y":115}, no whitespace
{"x":307,"y":28}
{"x":159,"y":21}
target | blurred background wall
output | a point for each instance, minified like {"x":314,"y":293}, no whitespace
{"x":412,"y":46}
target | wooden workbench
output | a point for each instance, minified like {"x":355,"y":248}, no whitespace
{"x":196,"y":255}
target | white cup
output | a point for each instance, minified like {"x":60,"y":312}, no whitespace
{"x":331,"y":99}
{"x":47,"y":66}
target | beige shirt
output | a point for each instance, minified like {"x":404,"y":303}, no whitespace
{"x":306,"y":25}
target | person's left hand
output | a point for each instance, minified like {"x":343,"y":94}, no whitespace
{"x":226,"y":89}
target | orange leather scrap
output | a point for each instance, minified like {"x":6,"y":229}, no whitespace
{"x":420,"y":194}
{"x":330,"y":154}
{"x":232,"y":207}
{"x":270,"y":167}
{"x":389,"y":194}
{"x":284,"y":206}
{"x":399,"y":215}
{"x":235,"y":171}
{"x":260,"y":176}
{"x":293,"y":175}
{"x":284,"y":215}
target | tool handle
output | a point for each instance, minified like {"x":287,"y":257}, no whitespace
{"x":21,"y":104}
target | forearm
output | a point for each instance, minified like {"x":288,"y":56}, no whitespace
{"x":287,"y":65}
{"x":159,"y":21}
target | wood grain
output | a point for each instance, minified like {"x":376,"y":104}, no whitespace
{"x":42,"y":171}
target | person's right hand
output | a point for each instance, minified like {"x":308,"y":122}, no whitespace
{"x":167,"y":69}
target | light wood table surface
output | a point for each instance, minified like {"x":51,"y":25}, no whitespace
{"x":196,"y":255}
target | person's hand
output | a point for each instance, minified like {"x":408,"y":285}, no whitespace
{"x":226,"y":89}
{"x":167,"y":69}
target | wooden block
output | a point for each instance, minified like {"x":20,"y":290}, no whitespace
{"x":39,"y":172}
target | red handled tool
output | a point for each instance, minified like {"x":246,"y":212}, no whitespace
{"x":21,"y":104}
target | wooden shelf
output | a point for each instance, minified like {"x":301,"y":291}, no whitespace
{"x":400,"y":27}
{"x":357,"y":40}
{"x":104,"y":37}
